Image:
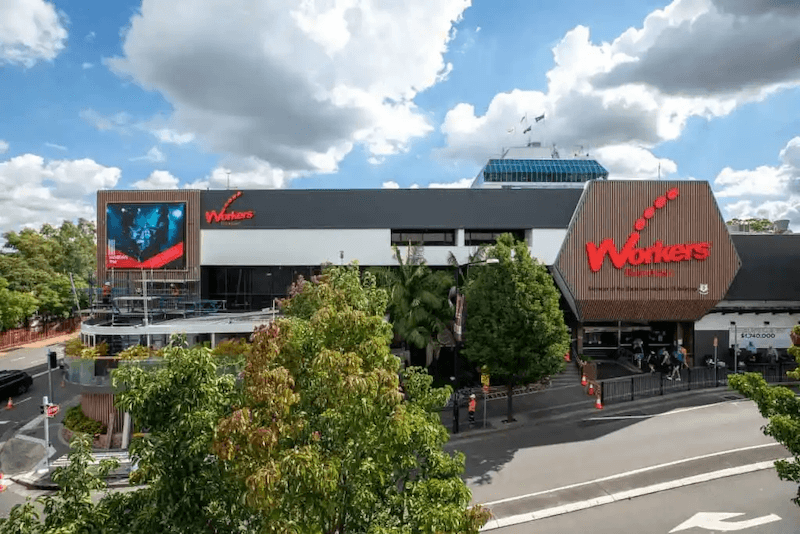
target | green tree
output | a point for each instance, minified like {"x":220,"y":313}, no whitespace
{"x":15,"y":306}
{"x":188,"y":489}
{"x":325,"y":440}
{"x":781,"y":406}
{"x":71,"y":509}
{"x":514,"y":326}
{"x":418,"y":306}
{"x":756,"y":225}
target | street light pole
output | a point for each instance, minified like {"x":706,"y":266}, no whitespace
{"x":457,"y":334}
{"x":455,"y":356}
{"x":735,"y":349}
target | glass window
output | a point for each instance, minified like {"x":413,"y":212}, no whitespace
{"x":424,"y":237}
{"x":473,"y":238}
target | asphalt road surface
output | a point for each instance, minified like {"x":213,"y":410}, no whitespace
{"x":550,"y":466}
{"x":761,"y":499}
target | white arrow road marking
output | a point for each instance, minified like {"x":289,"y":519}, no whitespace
{"x":716,"y":522}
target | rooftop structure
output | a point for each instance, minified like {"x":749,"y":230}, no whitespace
{"x":538,"y":166}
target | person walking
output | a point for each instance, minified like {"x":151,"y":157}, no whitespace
{"x":471,"y":408}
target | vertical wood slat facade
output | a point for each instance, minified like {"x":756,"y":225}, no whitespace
{"x":610,"y":210}
{"x":192,"y":251}
{"x":100,"y":406}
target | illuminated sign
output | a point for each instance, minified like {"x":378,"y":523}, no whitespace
{"x":630,"y":254}
{"x":224,"y":215}
{"x":145,"y":235}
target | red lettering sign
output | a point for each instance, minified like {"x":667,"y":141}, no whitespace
{"x":630,"y":254}
{"x":225,"y":216}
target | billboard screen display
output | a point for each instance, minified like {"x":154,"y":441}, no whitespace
{"x":146,"y":236}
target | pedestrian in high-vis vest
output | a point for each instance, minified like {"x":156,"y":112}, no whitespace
{"x":472,"y":404}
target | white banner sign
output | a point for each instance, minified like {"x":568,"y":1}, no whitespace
{"x":761,"y":337}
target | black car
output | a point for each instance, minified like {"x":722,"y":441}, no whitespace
{"x":14,"y":383}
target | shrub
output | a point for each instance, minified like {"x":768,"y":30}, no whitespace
{"x":77,"y":421}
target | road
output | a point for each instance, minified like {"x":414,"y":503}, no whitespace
{"x":761,"y":498}
{"x":26,"y":406}
{"x":580,"y":459}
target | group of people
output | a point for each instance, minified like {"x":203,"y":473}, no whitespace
{"x":669,"y":362}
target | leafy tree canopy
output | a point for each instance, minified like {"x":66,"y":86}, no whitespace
{"x":756,"y":225}
{"x":514,"y":326}
{"x":781,"y":407}
{"x":325,"y":441}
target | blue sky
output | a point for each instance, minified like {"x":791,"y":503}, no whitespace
{"x":370,"y":94}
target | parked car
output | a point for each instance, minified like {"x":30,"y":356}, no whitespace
{"x":14,"y":383}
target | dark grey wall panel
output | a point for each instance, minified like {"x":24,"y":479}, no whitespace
{"x":770,"y":268}
{"x":395,"y":208}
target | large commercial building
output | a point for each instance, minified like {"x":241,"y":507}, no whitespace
{"x":644,"y":259}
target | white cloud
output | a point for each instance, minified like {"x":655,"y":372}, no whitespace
{"x":118,"y":121}
{"x":57,"y":147}
{"x":166,"y":135}
{"x":33,"y":192}
{"x":245,"y":173}
{"x":767,"y":191}
{"x":390,"y":185}
{"x":641,"y":88}
{"x":158,"y":180}
{"x":87,"y":65}
{"x":294,"y":84}
{"x":154,"y":155}
{"x":3,"y":147}
{"x":458,"y":184}
{"x":89,"y":37}
{"x":30,"y":31}
{"x":628,"y":162}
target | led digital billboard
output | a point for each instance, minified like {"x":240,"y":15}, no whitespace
{"x":146,"y":236}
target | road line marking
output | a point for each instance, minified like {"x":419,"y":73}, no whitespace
{"x":18,"y":359}
{"x":37,"y":375}
{"x":26,"y":399}
{"x":623,"y":495}
{"x":32,"y":423}
{"x":630,"y":473}
{"x":615,"y":417}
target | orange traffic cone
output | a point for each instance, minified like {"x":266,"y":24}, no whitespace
{"x":2,"y":486}
{"x":598,"y":403}
{"x":10,"y":405}
{"x":591,"y":388}
{"x":583,"y":379}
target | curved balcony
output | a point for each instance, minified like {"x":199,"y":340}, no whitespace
{"x":95,"y":374}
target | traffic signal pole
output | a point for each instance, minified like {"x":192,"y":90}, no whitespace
{"x":46,"y":405}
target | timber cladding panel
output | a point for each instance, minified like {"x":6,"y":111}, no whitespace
{"x":192,"y":226}
{"x":646,"y":251}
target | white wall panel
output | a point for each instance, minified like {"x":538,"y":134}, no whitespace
{"x":316,"y":246}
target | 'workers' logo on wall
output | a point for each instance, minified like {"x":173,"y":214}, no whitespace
{"x":225,"y":216}
{"x":630,"y":254}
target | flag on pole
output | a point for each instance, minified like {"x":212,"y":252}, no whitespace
{"x":540,"y":117}
{"x":511,"y":130}
{"x":524,"y":118}
{"x":526,"y":130}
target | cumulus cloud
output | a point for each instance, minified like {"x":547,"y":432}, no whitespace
{"x":158,"y":180}
{"x":390,"y":185}
{"x":33,"y":191}
{"x":30,"y":31}
{"x":3,"y":147}
{"x":628,"y":162}
{"x":245,"y":173}
{"x":771,"y":192}
{"x":643,"y":87}
{"x":297,"y":85}
{"x":87,"y":65}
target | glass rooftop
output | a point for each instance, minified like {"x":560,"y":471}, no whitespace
{"x":543,"y":170}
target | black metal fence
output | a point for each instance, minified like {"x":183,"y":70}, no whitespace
{"x":650,"y":385}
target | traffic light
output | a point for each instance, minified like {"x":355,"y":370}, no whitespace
{"x":52,"y":359}
{"x":41,"y":408}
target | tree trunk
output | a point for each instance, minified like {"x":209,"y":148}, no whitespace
{"x":510,"y":396}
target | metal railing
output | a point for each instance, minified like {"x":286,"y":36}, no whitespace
{"x":634,"y":387}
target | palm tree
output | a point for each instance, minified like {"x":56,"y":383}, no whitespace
{"x":418,"y":307}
